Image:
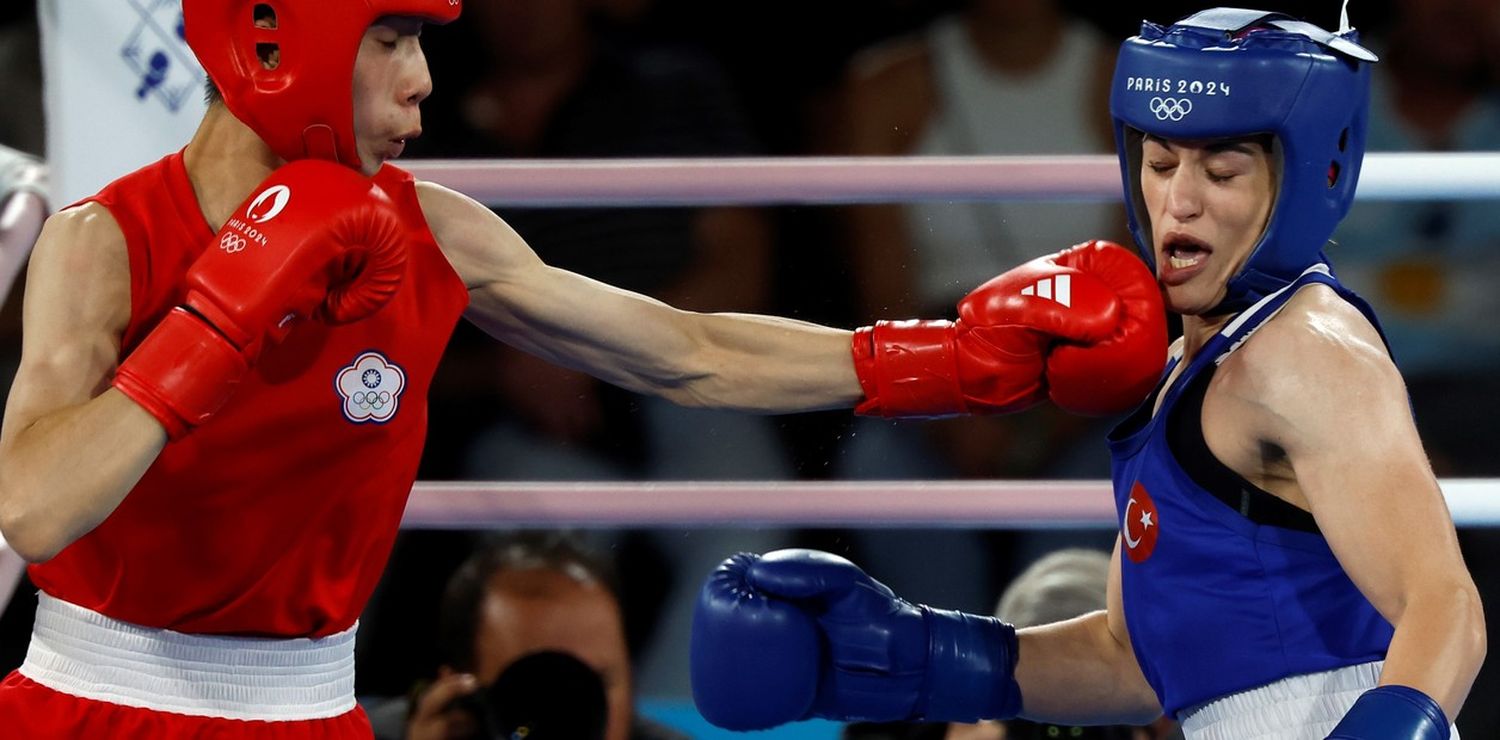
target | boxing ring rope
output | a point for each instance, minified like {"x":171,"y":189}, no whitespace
{"x":23,"y":209}
{"x":21,"y":218}
{"x":841,"y":180}
{"x":1474,"y":502}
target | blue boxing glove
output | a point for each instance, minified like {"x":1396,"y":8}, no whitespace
{"x":1393,"y":713}
{"x":800,"y":633}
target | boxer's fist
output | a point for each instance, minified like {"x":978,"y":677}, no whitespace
{"x":316,"y":239}
{"x":754,"y":660}
{"x":800,"y":633}
{"x":1111,"y":373}
{"x":995,"y":357}
{"x":1393,"y":713}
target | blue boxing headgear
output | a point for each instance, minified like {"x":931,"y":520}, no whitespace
{"x":1227,"y":73}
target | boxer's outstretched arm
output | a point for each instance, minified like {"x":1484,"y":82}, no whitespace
{"x":71,"y":447}
{"x":753,"y":363}
{"x":1083,"y":671}
{"x":991,"y":360}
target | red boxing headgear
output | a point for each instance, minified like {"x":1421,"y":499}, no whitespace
{"x":304,"y":108}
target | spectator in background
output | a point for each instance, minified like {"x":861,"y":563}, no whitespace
{"x":524,"y":598}
{"x":1001,"y":77}
{"x":1062,"y":585}
{"x":1430,"y":267}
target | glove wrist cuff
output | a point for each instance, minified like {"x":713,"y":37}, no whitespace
{"x":908,"y":369}
{"x":182,"y":372}
{"x":971,"y":668}
{"x":1393,"y":711}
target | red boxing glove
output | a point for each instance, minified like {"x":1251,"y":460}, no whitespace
{"x":316,"y":239}
{"x":995,"y":357}
{"x":1111,"y":374}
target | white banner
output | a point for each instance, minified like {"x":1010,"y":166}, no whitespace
{"x":122,"y":89}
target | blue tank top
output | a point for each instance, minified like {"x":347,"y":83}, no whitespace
{"x":1215,"y":602}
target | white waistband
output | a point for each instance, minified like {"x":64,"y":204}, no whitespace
{"x":1305,"y":707}
{"x":1309,"y":706}
{"x":83,"y":653}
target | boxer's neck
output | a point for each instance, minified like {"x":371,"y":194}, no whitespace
{"x":225,"y":160}
{"x":1197,"y":330}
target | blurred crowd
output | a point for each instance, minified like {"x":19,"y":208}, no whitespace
{"x":521,"y":79}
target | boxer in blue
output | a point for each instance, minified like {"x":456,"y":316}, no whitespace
{"x":1286,"y":566}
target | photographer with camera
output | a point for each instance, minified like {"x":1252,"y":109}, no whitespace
{"x":532,"y":637}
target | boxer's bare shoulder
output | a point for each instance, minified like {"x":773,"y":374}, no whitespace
{"x":1295,"y":387}
{"x":1318,"y":341}
{"x":77,"y":307}
{"x":78,"y":284}
{"x":478,"y":243}
{"x":90,"y":226}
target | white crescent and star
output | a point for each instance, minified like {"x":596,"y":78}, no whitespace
{"x":1145,"y":520}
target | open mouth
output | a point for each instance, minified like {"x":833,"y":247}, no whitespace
{"x":1184,"y":251}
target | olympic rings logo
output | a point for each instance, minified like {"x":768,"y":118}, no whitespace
{"x":1174,"y":109}
{"x":232,"y":243}
{"x":371,"y":401}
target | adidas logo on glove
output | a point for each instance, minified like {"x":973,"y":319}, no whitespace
{"x":1057,"y":288}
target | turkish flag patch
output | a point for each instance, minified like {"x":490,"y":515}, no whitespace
{"x":1140,"y":525}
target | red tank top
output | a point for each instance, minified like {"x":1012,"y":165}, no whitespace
{"x":277,"y":516}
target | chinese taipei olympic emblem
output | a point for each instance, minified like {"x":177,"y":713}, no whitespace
{"x":371,"y":388}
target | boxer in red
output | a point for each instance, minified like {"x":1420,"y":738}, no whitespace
{"x":221,"y":399}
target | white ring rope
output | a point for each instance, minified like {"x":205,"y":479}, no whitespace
{"x":21,"y":219}
{"x":1474,"y":502}
{"x":809,"y":180}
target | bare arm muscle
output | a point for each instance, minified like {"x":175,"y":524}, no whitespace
{"x":753,"y":363}
{"x":71,"y":447}
{"x":1083,"y":670}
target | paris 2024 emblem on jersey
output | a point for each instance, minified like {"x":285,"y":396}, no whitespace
{"x":1140,"y":525}
{"x":371,"y":388}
